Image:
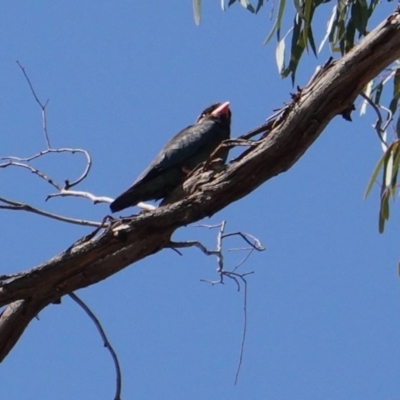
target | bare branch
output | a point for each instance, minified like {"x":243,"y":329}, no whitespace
{"x":34,"y":170}
{"x":106,"y":342}
{"x":87,"y":195}
{"x":95,"y":199}
{"x":20,"y":162}
{"x":378,"y":124}
{"x":256,"y":245}
{"x":18,"y":206}
{"x":192,"y":243}
{"x":236,"y":277}
{"x":244,"y":259}
{"x":41,"y":105}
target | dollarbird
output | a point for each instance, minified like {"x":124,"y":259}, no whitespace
{"x":184,"y":152}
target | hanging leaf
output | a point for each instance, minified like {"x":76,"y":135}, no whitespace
{"x":367,"y":91}
{"x":329,"y":28}
{"x":298,"y":5}
{"x":247,"y":5}
{"x":197,"y":11}
{"x":259,"y":5}
{"x":360,"y":15}
{"x":378,"y":93}
{"x":280,"y":55}
{"x":388,"y":174}
{"x":372,"y":6}
{"x":396,"y":92}
{"x":297,"y":49}
{"x":278,"y":21}
{"x":348,"y":39}
{"x":384,"y":141}
{"x":374,"y":176}
{"x":311,"y":41}
{"x":384,"y":212}
{"x":398,"y":128}
{"x":307,"y":19}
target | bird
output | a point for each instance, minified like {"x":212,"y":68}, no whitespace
{"x":184,"y":152}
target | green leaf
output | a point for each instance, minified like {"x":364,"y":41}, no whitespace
{"x":280,"y":55}
{"x":372,"y":6}
{"x":259,"y":5}
{"x":388,"y":174}
{"x":374,"y":176}
{"x":311,"y":40}
{"x":278,"y":21}
{"x":360,"y":15}
{"x":246,"y":4}
{"x":307,"y":19}
{"x":395,"y":163}
{"x":329,"y":28}
{"x":342,"y":6}
{"x":297,"y":49}
{"x":393,"y":105}
{"x":378,"y":93}
{"x":398,"y":127}
{"x":396,"y":89}
{"x":367,"y":91}
{"x":349,"y":36}
{"x":298,"y":5}
{"x":384,"y":212}
{"x":197,"y":11}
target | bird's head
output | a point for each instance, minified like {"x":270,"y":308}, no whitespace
{"x":218,"y":111}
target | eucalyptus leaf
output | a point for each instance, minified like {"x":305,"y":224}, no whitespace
{"x":280,"y":55}
{"x":278,"y":21}
{"x":197,"y":11}
{"x":246,"y":4}
{"x":259,"y":5}
{"x":329,"y":28}
{"x":374,"y":176}
{"x":360,"y":15}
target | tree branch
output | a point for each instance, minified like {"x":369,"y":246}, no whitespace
{"x":329,"y":94}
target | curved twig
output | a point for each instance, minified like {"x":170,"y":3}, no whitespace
{"x":378,"y":124}
{"x":106,"y":342}
{"x":34,"y":170}
{"x":256,"y":245}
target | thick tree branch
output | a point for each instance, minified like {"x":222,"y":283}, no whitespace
{"x":331,"y":93}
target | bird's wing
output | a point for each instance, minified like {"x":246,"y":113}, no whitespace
{"x":181,"y":147}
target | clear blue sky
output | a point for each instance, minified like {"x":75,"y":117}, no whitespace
{"x":122,"y":78}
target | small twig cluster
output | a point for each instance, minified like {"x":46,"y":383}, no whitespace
{"x":238,"y":278}
{"x":62,"y":189}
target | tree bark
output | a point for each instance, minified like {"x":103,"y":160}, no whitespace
{"x":331,"y":92}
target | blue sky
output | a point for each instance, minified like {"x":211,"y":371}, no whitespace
{"x":122,"y":78}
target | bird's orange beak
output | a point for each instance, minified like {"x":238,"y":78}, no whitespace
{"x":222,"y":109}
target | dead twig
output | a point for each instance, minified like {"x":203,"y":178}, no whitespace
{"x":238,"y":278}
{"x":379,"y":128}
{"x":41,"y":105}
{"x":106,"y":342}
{"x":18,"y":206}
